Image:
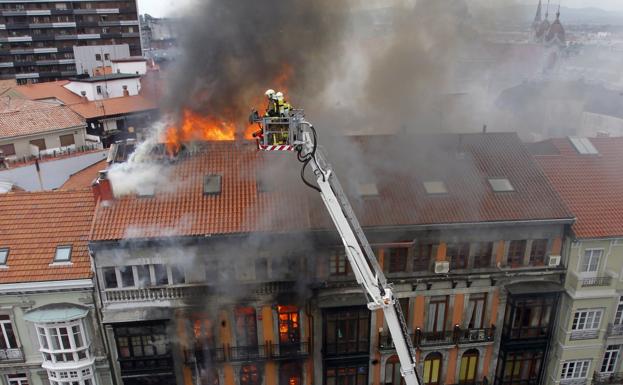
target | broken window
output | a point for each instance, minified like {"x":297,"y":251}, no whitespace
{"x":110,"y":278}
{"x":250,"y":375}
{"x":143,"y":275}
{"x":177,"y":275}
{"x":127,"y":276}
{"x":246,"y":326}
{"x":160,"y":271}
{"x":289,"y":327}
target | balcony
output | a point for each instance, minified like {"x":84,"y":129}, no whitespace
{"x":575,"y":381}
{"x":596,"y":281}
{"x":265,"y":352}
{"x":608,"y":378}
{"x":614,"y":330}
{"x":11,"y":355}
{"x":453,"y":337}
{"x":584,"y":335}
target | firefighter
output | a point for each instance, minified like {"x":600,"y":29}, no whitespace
{"x":282,"y":104}
{"x":273,"y":107}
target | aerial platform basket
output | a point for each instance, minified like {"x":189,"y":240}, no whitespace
{"x":277,"y":133}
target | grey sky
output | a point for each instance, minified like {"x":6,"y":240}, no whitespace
{"x":161,"y":8}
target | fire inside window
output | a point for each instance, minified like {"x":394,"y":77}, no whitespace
{"x":289,"y":325}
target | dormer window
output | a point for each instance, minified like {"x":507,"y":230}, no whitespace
{"x":501,"y":185}
{"x":435,"y":187}
{"x":4,"y":255}
{"x":63,"y":254}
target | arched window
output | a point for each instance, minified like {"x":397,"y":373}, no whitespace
{"x":469,"y":367}
{"x":392,"y":372}
{"x":432,"y":369}
{"x":290,"y":373}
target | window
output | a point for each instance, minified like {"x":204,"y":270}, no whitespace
{"x":290,"y":373}
{"x":39,"y":143}
{"x":590,"y":260}
{"x":423,"y":253}
{"x":458,"y":254}
{"x":345,"y":374}
{"x":250,"y":375}
{"x":63,"y":254}
{"x":17,"y":379}
{"x":246,"y":326}
{"x":501,"y":185}
{"x":516,"y":251}
{"x":528,"y":318}
{"x":143,"y":346}
{"x":110,"y":278}
{"x":469,"y":367}
{"x":127,"y":276}
{"x":143,"y":275}
{"x":397,"y":259}
{"x":4,"y":255}
{"x":338,"y":264}
{"x":177,"y":275}
{"x":98,"y":57}
{"x":583,"y":145}
{"x":8,"y":149}
{"x":212,"y":185}
{"x":7,"y":339}
{"x":289,"y":327}
{"x":435,"y":187}
{"x":476,"y":310}
{"x":106,"y":56}
{"x":538,"y":252}
{"x":618,"y":316}
{"x":608,"y":365}
{"x":392,"y":372}
{"x":586,"y":319}
{"x":432,"y":369}
{"x":482,"y":254}
{"x":437,"y":314}
{"x":346,"y":331}
{"x":367,"y":190}
{"x":67,"y":140}
{"x":574,"y":369}
{"x":99,"y":90}
{"x":62,"y":343}
{"x":160,"y":271}
{"x":522,"y":367}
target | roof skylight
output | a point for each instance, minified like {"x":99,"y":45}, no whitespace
{"x":583,"y":145}
{"x":501,"y":184}
{"x":212,"y":184}
{"x":435,"y":187}
{"x":367,"y":189}
{"x":4,"y":255}
{"x":63,"y":254}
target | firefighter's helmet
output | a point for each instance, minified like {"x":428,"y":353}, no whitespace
{"x":270,"y":93}
{"x":279,"y":95}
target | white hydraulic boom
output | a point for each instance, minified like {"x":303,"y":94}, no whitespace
{"x":291,"y":132}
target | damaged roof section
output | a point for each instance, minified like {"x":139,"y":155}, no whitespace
{"x":464,"y":162}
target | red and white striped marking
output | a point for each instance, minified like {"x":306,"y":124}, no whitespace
{"x":281,"y":147}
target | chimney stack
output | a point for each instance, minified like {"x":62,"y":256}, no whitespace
{"x":84,"y":95}
{"x":125,"y":91}
{"x":102,"y":188}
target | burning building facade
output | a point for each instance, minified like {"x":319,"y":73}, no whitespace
{"x":219,"y":272}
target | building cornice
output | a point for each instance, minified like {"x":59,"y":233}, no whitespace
{"x":46,"y":286}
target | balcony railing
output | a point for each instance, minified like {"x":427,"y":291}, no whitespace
{"x":584,"y":334}
{"x":452,"y":337}
{"x":575,"y":381}
{"x":526,"y":333}
{"x":596,"y":281}
{"x":11,"y":354}
{"x":614,"y":330}
{"x":608,"y":378}
{"x":265,"y":352}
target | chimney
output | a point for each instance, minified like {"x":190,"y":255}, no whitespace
{"x":102,"y":188}
{"x":84,"y":95}
{"x":125,"y":91}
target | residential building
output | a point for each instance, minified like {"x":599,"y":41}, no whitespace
{"x":159,"y":38}
{"x":38,"y":37}
{"x":95,"y":59}
{"x":31,"y":128}
{"x":589,"y":332}
{"x":49,"y":330}
{"x":225,"y":268}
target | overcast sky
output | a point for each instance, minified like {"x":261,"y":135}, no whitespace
{"x":161,"y":8}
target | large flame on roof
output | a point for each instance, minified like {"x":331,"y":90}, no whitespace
{"x":193,"y":126}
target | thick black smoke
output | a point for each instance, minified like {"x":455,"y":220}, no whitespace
{"x":233,"y":50}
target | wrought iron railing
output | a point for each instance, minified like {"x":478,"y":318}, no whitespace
{"x":584,"y":334}
{"x":264,"y":352}
{"x":608,"y":378}
{"x":11,"y":354}
{"x":526,"y":333}
{"x":596,"y":281}
{"x":457,"y":336}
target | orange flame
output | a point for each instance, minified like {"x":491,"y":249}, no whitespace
{"x":194,"y":126}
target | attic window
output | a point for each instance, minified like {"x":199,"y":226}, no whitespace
{"x":63,"y":254}
{"x":367,"y":190}
{"x":212,"y":184}
{"x":146,"y":190}
{"x":583,"y":146}
{"x":501,"y":184}
{"x":4,"y":255}
{"x":435,"y":187}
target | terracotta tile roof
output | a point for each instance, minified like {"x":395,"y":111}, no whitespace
{"x":114,"y":106}
{"x":20,"y":117}
{"x":590,"y":185}
{"x":181,"y":208}
{"x":48,"y":90}
{"x":85,"y":177}
{"x":32,"y":225}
